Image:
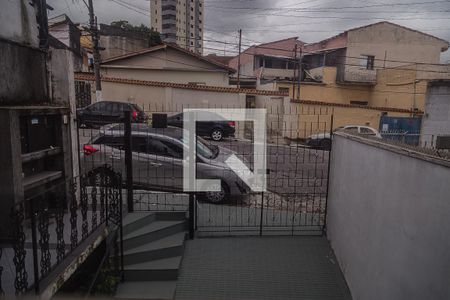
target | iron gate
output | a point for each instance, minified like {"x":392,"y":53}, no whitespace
{"x":297,"y":155}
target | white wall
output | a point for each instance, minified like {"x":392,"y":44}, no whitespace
{"x":436,"y":120}
{"x":388,"y":221}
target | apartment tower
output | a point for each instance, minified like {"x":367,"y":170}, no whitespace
{"x":179,"y":22}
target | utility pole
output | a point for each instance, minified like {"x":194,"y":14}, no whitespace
{"x":239,"y":61}
{"x":295,"y":71}
{"x":94,"y":34}
{"x":299,"y":77}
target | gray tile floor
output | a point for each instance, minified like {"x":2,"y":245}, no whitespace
{"x":260,"y":268}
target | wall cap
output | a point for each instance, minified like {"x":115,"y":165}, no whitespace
{"x":396,"y":149}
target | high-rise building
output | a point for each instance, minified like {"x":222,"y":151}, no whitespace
{"x":179,"y":22}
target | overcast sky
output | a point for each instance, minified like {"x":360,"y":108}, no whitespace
{"x":269,"y":20}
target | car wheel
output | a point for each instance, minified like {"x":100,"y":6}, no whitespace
{"x":217,"y":197}
{"x":217,"y":134}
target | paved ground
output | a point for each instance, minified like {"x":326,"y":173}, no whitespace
{"x":260,"y":268}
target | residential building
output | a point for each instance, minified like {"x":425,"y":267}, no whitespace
{"x":274,"y":60}
{"x":382,"y":65}
{"x":167,"y":63}
{"x":36,"y":108}
{"x":68,"y":33}
{"x":359,"y":52}
{"x":179,"y":22}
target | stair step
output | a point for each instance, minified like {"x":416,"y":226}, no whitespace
{"x":155,"y":270}
{"x":151,"y":232}
{"x":171,"y":216}
{"x":135,"y":220}
{"x":161,"y":290}
{"x":170,"y":246}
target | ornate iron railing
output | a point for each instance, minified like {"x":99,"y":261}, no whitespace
{"x":45,"y":224}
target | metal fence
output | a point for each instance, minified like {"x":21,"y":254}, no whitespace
{"x":297,"y":169}
{"x":49,"y":229}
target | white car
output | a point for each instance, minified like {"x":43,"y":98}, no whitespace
{"x":323,"y":140}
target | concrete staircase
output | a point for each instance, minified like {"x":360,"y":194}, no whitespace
{"x":153,"y":249}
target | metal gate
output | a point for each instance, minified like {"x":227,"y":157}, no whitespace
{"x":297,"y":155}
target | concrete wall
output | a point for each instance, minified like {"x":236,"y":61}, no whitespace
{"x":18,"y":22}
{"x":62,"y":88}
{"x":329,"y":90}
{"x":23,"y":75}
{"x":436,"y":120}
{"x":174,"y":76}
{"x":119,"y":45}
{"x":399,"y":88}
{"x":388,"y":220}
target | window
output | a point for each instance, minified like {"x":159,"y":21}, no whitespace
{"x":115,"y":107}
{"x":267,"y":63}
{"x":367,"y":62}
{"x":291,"y":65}
{"x":169,"y":17}
{"x":283,"y":89}
{"x":169,"y":7}
{"x":168,"y":26}
{"x":139,"y":144}
{"x":99,"y":106}
{"x":162,"y":148}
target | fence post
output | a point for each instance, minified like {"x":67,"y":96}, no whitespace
{"x":128,"y":160}
{"x":328,"y":174}
{"x":191,"y":216}
{"x":34,"y":243}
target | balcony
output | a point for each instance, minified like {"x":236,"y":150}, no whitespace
{"x":355,"y":75}
{"x":273,"y":73}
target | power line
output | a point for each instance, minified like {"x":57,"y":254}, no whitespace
{"x":334,"y":8}
{"x":305,"y":52}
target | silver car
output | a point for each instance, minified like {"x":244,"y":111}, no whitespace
{"x":157,"y":155}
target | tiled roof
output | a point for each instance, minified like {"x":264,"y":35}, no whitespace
{"x":323,"y":103}
{"x":165,"y":46}
{"x":218,"y":89}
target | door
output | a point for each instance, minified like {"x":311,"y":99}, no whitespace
{"x":157,"y":164}
{"x":93,"y":113}
{"x":169,"y":157}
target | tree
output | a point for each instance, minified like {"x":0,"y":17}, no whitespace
{"x":154,"y":37}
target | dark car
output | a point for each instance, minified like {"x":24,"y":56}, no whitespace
{"x":216,"y":130}
{"x":107,"y":112}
